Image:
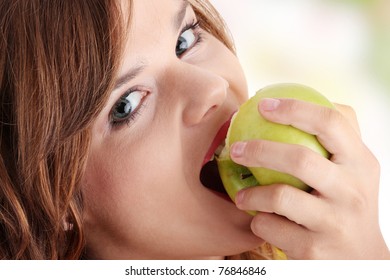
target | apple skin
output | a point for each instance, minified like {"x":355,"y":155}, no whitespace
{"x":248,"y":124}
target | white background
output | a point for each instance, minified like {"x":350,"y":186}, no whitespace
{"x":319,"y":270}
{"x":332,"y":46}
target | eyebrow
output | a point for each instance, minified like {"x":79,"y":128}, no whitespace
{"x":129,"y":75}
{"x":134,"y":71}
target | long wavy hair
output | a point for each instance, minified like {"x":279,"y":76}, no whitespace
{"x":57,"y":66}
{"x":58,"y":60}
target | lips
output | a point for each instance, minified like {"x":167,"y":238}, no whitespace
{"x":218,"y":140}
{"x":209,"y":173}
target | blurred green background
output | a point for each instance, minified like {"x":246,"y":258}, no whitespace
{"x":339,"y":47}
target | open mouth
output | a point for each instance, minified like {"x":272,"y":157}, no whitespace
{"x":209,"y":174}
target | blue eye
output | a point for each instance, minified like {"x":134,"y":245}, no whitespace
{"x":186,"y":40}
{"x":189,"y":37}
{"x":126,"y":107}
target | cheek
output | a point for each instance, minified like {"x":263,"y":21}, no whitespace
{"x":113,"y":178}
{"x":126,"y":180}
{"x":105,"y":183}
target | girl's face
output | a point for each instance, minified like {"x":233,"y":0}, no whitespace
{"x":177,"y":87}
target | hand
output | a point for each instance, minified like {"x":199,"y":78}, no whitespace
{"x":339,"y":218}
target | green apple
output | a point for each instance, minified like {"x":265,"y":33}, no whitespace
{"x":248,"y":124}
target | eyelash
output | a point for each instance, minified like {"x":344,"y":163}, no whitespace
{"x":195,"y":26}
{"x":115,"y":124}
{"x":130,"y":119}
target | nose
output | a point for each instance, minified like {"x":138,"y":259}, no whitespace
{"x":201,"y":91}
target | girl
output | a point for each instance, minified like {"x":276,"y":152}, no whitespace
{"x":110,"y":112}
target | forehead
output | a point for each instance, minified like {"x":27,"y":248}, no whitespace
{"x":151,"y":25}
{"x":156,"y":13}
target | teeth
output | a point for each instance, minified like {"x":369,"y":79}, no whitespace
{"x":219,"y":149}
{"x":212,"y":158}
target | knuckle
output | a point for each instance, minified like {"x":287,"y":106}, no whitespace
{"x":280,"y":198}
{"x":374,"y":163}
{"x":346,"y":109}
{"x":350,"y":114}
{"x":249,"y":198}
{"x":292,"y":106}
{"x":331,"y":117}
{"x":350,"y":111}
{"x":332,"y":221}
{"x":258,"y":223}
{"x":370,"y":172}
{"x":370,"y":167}
{"x":303,"y":160}
{"x":255,"y":150}
{"x":314,"y":252}
{"x":358,"y":202}
{"x":341,"y":229}
{"x":306,"y":250}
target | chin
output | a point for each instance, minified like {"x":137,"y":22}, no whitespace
{"x":225,"y":224}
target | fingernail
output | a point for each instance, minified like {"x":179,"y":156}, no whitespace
{"x":237,"y":149}
{"x":269,"y":104}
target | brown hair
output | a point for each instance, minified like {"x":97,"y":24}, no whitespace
{"x":211,"y":21}
{"x":57,"y":66}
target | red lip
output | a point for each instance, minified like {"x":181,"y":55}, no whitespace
{"x":218,"y":139}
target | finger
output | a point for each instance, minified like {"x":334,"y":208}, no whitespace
{"x":332,"y":129}
{"x":350,"y":114}
{"x":298,"y":161}
{"x":296,"y":205}
{"x":293,"y":239}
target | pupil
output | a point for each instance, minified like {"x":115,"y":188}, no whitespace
{"x":123,"y":109}
{"x":181,"y":46}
